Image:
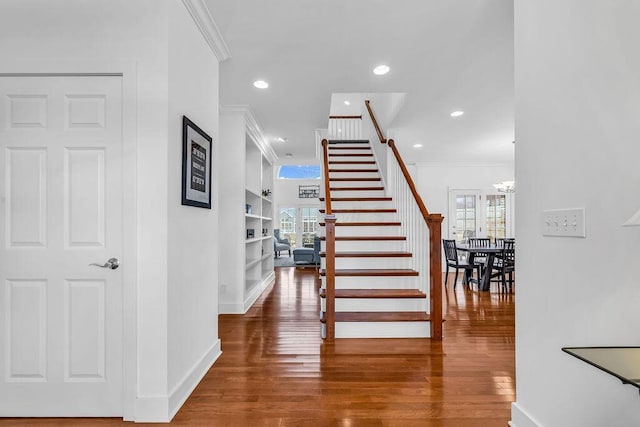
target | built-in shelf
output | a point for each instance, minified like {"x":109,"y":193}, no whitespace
{"x":248,"y":173}
{"x":621,"y":362}
{"x":252,"y":262}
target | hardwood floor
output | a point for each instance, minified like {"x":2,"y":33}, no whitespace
{"x":276,"y":371}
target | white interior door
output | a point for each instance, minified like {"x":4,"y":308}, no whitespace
{"x":60,"y":210}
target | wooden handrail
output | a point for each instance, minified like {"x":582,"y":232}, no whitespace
{"x":327,"y":190}
{"x":346,"y":117}
{"x":407,"y":177}
{"x":375,"y":123}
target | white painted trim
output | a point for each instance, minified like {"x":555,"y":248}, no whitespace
{"x":253,"y":129}
{"x":152,"y":409}
{"x":128,"y":71}
{"x":242,"y":308}
{"x":204,"y":21}
{"x":184,"y":388}
{"x":258,"y":290}
{"x":521,"y":418}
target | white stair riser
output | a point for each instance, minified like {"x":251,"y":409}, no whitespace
{"x":375,"y":204}
{"x":376,"y":282}
{"x":389,"y":230}
{"x":352,"y":175}
{"x":351,"y":150}
{"x":357,"y":193}
{"x":367,"y":217}
{"x":344,"y":184}
{"x":382,"y":330}
{"x":352,"y":165}
{"x":366,"y":263}
{"x":378,"y":304}
{"x":367,"y":245}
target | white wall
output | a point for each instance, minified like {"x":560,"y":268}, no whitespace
{"x":577,"y":127}
{"x":51,"y":34}
{"x":193,"y":239}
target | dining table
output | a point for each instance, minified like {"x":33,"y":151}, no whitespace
{"x":484,"y":282}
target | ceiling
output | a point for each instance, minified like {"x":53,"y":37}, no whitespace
{"x":444,"y":55}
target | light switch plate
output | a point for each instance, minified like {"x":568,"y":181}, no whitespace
{"x":564,"y":222}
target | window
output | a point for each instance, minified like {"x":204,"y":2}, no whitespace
{"x":496,"y":209}
{"x":478,"y":213}
{"x":299,"y":172}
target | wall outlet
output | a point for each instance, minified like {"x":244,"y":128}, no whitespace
{"x":564,"y":222}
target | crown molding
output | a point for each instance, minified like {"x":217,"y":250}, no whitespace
{"x":207,"y":26}
{"x":253,"y":129}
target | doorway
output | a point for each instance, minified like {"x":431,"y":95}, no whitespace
{"x":479,"y":213}
{"x":299,"y":224}
{"x":61,"y":226}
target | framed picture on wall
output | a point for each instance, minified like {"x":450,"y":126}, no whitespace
{"x":196,"y":165}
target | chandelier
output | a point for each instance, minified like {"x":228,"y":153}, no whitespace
{"x":505,"y":186}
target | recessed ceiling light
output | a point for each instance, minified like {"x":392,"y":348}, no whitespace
{"x":347,"y":103}
{"x":417,"y":145}
{"x":381,"y":69}
{"x":261,"y":84}
{"x":281,"y":139}
{"x":457,"y":113}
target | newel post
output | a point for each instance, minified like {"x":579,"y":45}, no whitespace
{"x":330,"y":269}
{"x":434,"y":222}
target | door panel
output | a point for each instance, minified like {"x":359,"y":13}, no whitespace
{"x":60,"y":211}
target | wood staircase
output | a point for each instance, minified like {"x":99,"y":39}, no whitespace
{"x":376,"y":290}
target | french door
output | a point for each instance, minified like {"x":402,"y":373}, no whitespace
{"x":299,"y":224}
{"x":478,"y":213}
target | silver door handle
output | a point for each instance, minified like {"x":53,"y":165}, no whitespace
{"x":112,"y":263}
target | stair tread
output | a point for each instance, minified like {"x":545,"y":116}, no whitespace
{"x":380,"y":316}
{"x":359,"y":210}
{"x":348,"y":141}
{"x":372,"y":272}
{"x":371,"y":254}
{"x":357,"y":238}
{"x":349,"y":148}
{"x":356,"y":188}
{"x":365,"y":224}
{"x":358,"y":199}
{"x":376,"y":293}
{"x":350,"y":155}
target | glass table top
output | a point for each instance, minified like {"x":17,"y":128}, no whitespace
{"x":621,"y":362}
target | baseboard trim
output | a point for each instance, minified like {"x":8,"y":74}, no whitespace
{"x":521,"y":418}
{"x":184,"y":388}
{"x":152,"y":409}
{"x":162,"y":409}
{"x":258,"y":290}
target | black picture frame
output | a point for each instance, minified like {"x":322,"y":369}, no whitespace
{"x":197,"y":161}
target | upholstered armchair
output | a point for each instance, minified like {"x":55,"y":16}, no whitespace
{"x":280,"y":244}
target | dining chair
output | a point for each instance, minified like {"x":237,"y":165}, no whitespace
{"x":504,"y":264}
{"x":451,"y":255}
{"x":480,"y":258}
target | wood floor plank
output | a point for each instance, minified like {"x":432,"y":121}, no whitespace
{"x":275,"y":370}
